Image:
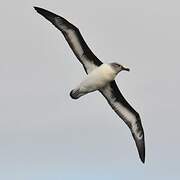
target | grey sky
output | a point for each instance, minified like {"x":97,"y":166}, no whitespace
{"x":44,"y":134}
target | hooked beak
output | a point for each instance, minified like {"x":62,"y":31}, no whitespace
{"x":125,"y":69}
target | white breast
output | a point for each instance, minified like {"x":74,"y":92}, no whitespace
{"x":98,"y":78}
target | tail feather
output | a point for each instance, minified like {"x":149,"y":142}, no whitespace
{"x":76,"y":93}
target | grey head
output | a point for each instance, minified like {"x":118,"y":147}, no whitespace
{"x":118,"y":67}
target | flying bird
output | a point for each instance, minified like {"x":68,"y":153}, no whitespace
{"x":100,"y":76}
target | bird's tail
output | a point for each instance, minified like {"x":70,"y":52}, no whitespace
{"x":76,"y":93}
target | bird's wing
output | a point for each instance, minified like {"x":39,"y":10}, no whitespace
{"x":123,"y":109}
{"x":74,"y":39}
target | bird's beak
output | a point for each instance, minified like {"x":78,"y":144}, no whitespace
{"x":125,"y":69}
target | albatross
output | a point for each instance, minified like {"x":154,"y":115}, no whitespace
{"x":100,"y":76}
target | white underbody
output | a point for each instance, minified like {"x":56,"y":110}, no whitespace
{"x":97,"y":79}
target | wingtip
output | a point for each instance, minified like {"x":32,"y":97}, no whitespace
{"x":142,"y":159}
{"x":141,"y":150}
{"x":140,"y":144}
{"x":47,"y":14}
{"x":37,"y":8}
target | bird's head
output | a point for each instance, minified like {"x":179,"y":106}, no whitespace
{"x":118,"y":67}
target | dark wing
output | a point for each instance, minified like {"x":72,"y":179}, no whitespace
{"x":123,"y":109}
{"x":74,"y":39}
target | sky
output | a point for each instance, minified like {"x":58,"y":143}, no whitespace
{"x":44,"y":134}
